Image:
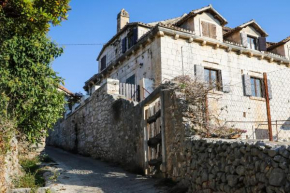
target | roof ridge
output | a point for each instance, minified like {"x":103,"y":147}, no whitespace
{"x":169,"y":19}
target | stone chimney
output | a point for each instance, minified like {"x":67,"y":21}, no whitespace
{"x":122,"y":19}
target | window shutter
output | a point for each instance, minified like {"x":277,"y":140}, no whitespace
{"x":269,"y":89}
{"x":262,"y":44}
{"x":124,"y":45}
{"x":205,"y":29}
{"x":244,"y":39}
{"x":225,"y":81}
{"x":247,"y":85}
{"x":199,"y":72}
{"x":213,"y":31}
{"x":135,"y":35}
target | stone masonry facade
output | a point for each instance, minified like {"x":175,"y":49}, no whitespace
{"x":195,"y":43}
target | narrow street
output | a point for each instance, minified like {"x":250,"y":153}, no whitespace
{"x":75,"y":173}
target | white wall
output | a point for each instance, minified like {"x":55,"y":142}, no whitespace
{"x":149,"y":56}
{"x":233,"y":66}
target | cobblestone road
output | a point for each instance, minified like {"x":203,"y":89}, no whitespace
{"x":76,"y":174}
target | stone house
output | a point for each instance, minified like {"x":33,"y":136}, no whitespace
{"x":199,"y":44}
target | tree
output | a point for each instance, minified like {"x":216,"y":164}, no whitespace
{"x":28,"y":85}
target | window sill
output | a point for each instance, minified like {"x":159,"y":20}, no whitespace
{"x":257,"y":98}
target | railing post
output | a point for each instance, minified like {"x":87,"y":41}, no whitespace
{"x":268,"y":107}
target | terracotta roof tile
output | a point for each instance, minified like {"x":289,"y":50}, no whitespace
{"x":240,"y":27}
{"x":201,"y":10}
{"x":274,"y":45}
{"x":65,"y":90}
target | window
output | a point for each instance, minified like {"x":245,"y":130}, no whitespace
{"x":213,"y":78}
{"x":132,"y":37}
{"x":252,"y":43}
{"x":208,"y":29}
{"x":103,"y":62}
{"x":124,"y":45}
{"x":130,"y":40}
{"x":256,"y":87}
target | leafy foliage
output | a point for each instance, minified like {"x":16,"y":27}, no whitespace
{"x":28,"y":85}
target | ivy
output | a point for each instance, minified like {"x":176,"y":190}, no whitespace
{"x":28,"y":85}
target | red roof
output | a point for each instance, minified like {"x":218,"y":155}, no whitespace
{"x":65,"y":90}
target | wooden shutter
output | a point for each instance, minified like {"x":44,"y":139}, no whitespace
{"x":135,"y":35}
{"x":262,"y":44}
{"x":199,"y":72}
{"x":247,"y":85}
{"x":103,"y":62}
{"x":269,"y":89}
{"x":212,"y":30}
{"x":205,"y":30}
{"x":225,"y":81}
{"x":124,"y":45}
{"x":244,"y":39}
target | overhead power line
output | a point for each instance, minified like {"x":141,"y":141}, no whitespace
{"x":94,"y":44}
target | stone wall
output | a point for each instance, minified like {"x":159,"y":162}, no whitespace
{"x":213,"y":165}
{"x":9,"y":167}
{"x":220,"y":165}
{"x":106,"y":126}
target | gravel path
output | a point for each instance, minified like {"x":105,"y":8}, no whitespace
{"x":76,"y":173}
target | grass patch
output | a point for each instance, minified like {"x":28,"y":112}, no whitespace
{"x":33,"y":172}
{"x":45,"y":158}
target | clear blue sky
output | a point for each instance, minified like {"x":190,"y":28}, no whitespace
{"x":94,"y":21}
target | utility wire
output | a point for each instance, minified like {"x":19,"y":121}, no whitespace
{"x":96,"y":44}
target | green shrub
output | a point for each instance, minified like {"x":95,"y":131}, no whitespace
{"x":33,"y":177}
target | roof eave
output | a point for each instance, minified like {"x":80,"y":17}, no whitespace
{"x":119,"y":33}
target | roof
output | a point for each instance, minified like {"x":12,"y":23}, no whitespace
{"x":168,"y":21}
{"x":208,"y":8}
{"x":226,"y":29}
{"x":65,"y":90}
{"x":120,"y":32}
{"x":252,"y":23}
{"x":282,"y":42}
{"x":173,"y":22}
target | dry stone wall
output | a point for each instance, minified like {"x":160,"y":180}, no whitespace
{"x":107,"y":127}
{"x":9,"y":166}
{"x":221,"y":165}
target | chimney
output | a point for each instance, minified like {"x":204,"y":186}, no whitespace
{"x":122,"y":19}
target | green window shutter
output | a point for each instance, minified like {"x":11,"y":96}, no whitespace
{"x":247,"y":85}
